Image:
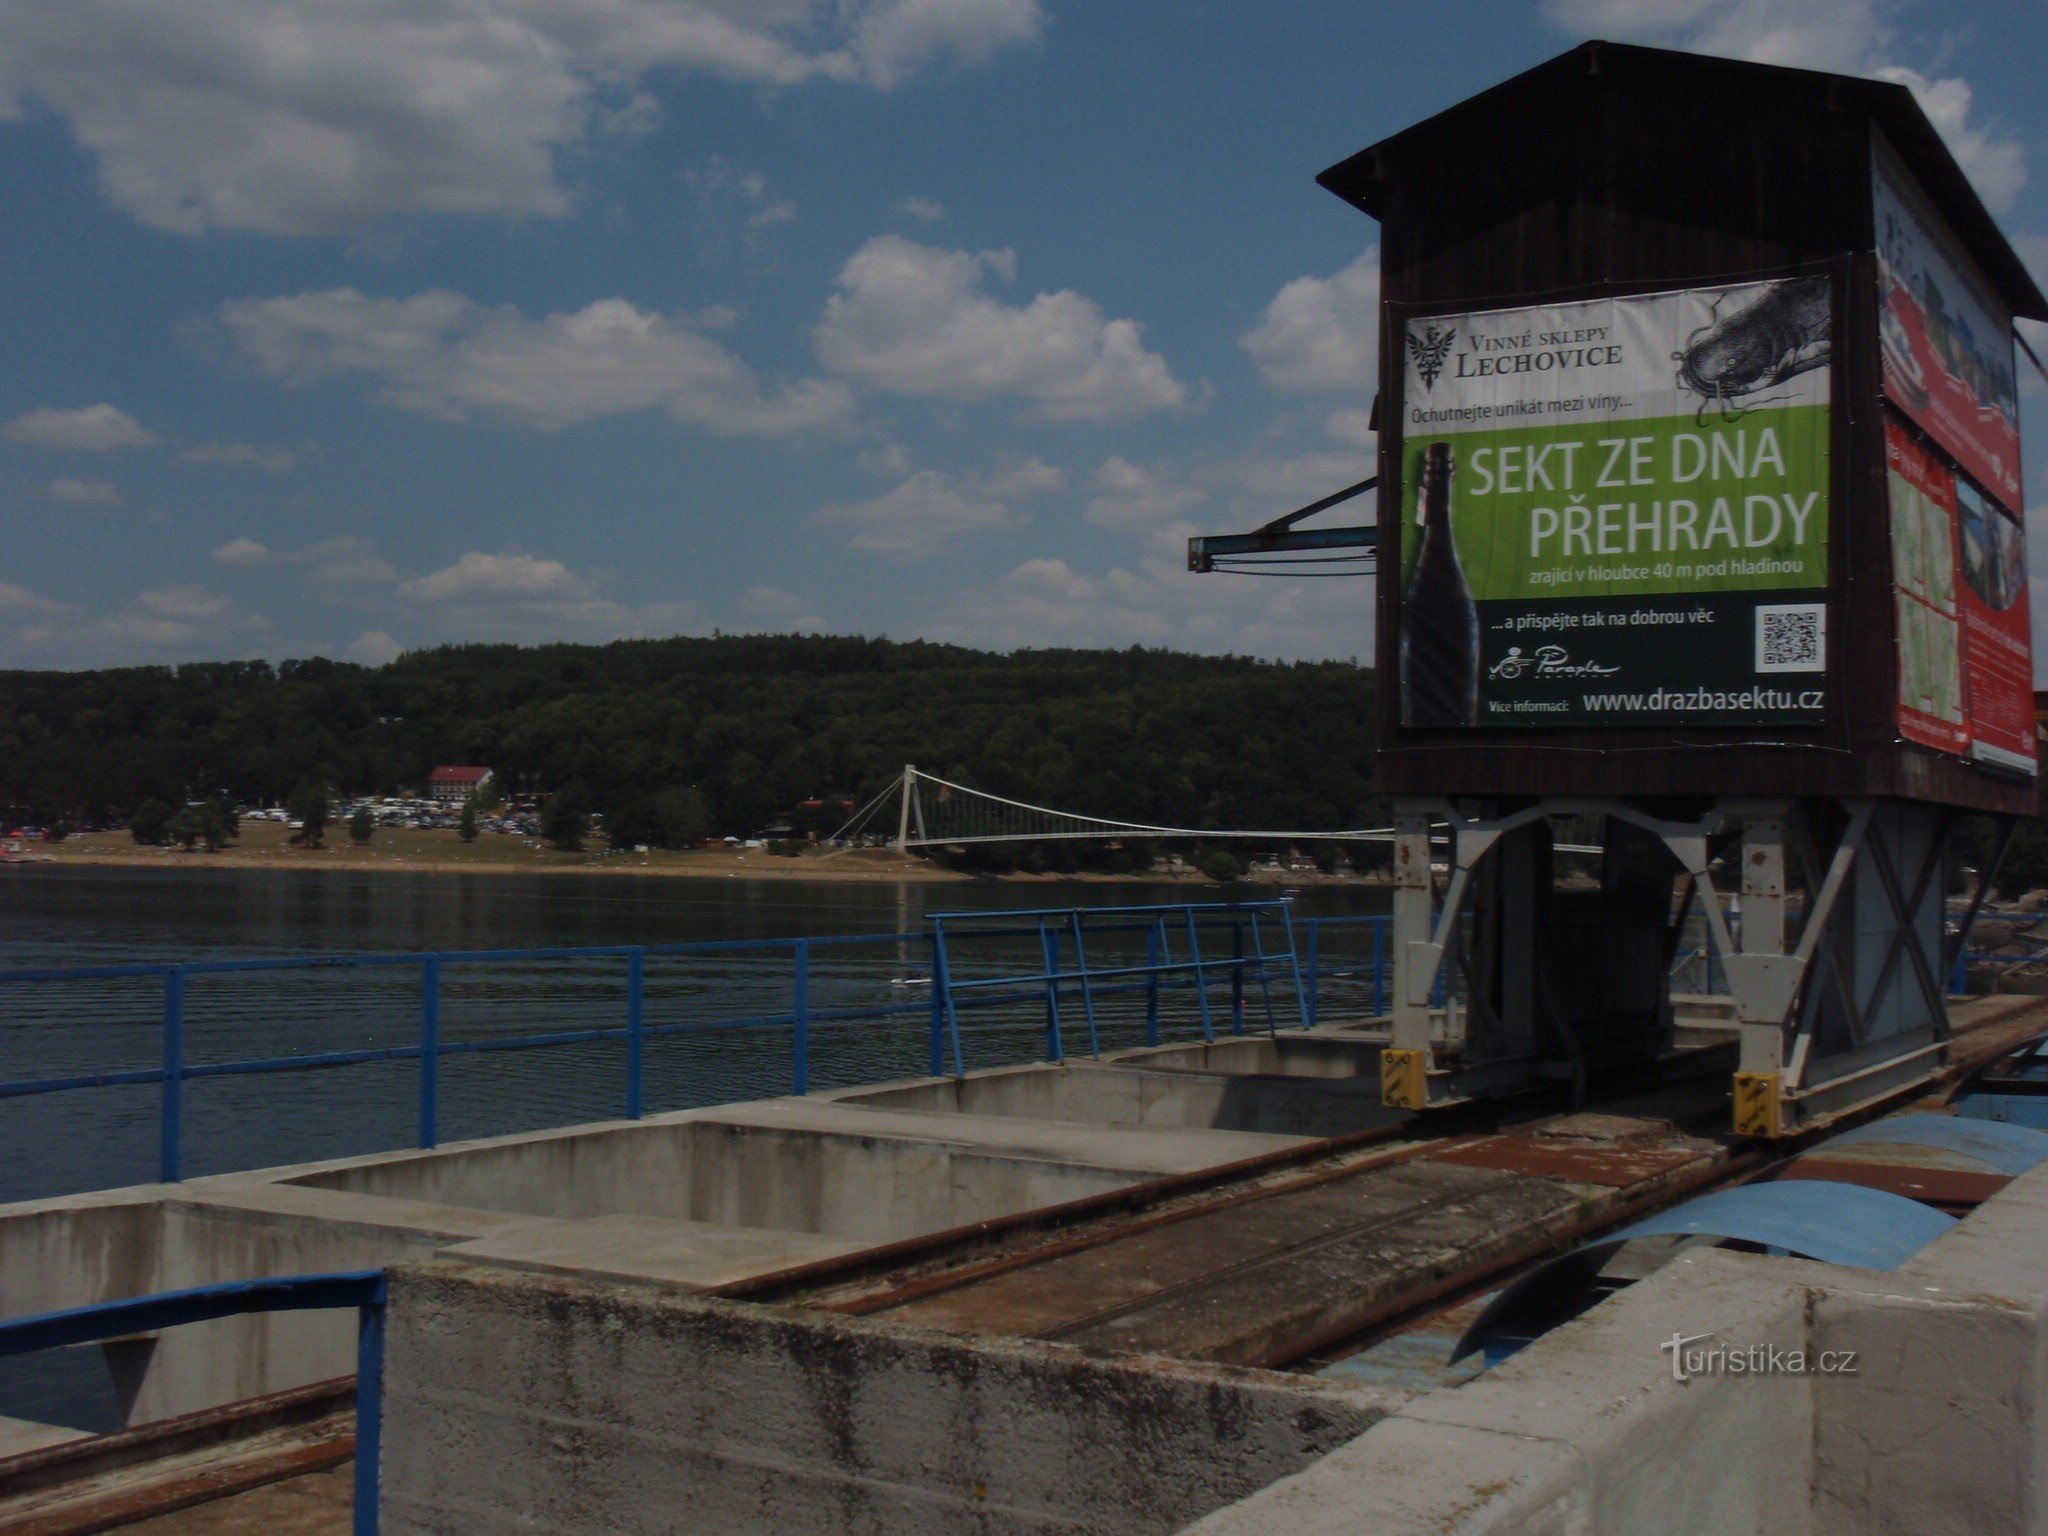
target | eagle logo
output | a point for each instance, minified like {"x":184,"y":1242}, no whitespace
{"x":1429,"y":351}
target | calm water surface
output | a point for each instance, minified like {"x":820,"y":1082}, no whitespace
{"x":58,"y":1143}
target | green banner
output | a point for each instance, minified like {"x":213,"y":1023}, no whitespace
{"x":1617,"y":512}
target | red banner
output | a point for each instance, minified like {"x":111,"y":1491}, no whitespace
{"x":1923,"y":507}
{"x":1998,"y":654}
{"x":1946,"y":336}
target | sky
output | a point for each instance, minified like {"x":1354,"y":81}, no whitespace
{"x":349,"y":327}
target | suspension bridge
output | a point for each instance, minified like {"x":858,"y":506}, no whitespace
{"x":932,"y":812}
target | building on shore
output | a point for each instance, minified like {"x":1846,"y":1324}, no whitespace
{"x":457,"y":784}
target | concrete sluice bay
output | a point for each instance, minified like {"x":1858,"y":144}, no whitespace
{"x":62,"y":1143}
{"x":1114,"y":1296}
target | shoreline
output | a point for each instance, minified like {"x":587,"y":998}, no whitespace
{"x":264,"y":845}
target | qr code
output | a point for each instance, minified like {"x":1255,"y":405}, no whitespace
{"x":1792,"y":637}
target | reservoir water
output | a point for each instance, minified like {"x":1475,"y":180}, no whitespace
{"x":94,"y":1138}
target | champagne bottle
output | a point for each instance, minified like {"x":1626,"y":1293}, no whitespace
{"x":1439,"y":624}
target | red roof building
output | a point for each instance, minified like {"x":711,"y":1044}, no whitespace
{"x":456,"y":783}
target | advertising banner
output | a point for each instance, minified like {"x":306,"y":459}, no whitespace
{"x":1998,"y":657}
{"x":1923,"y":507}
{"x":1616,"y":511}
{"x":1947,"y":340}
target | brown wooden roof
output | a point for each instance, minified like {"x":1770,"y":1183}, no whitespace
{"x":1361,"y":179}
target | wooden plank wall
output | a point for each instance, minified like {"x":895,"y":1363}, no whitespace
{"x":1633,"y":177}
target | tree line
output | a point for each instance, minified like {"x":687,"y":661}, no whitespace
{"x":676,"y":740}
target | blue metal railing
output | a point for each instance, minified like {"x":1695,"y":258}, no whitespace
{"x":1192,"y":950}
{"x":1055,"y":926}
{"x":360,"y":1289}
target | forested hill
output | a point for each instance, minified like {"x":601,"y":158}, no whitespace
{"x":757,"y":723}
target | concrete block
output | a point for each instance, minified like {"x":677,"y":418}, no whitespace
{"x":80,"y":1249}
{"x":522,"y":1402}
{"x":1119,"y":1147}
{"x":695,"y":1254}
{"x":20,"y":1436}
{"x":1938,"y":1429}
{"x":1132,"y":1093}
{"x":1994,"y":1253}
{"x":1404,"y":1477}
{"x":1602,"y":1386}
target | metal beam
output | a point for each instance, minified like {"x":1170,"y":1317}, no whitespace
{"x":1279,"y":536}
{"x":1203,"y":551}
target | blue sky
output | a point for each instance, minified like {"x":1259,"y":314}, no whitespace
{"x":347,"y":326}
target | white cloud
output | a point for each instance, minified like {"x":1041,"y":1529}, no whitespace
{"x":373,"y":648}
{"x":895,"y":39}
{"x":178,"y":622}
{"x":925,"y":210}
{"x":1133,"y":498}
{"x":83,"y":493}
{"x":735,"y":208}
{"x":523,"y":597}
{"x":771,"y":601}
{"x":1996,"y":162}
{"x":771,"y":608}
{"x":1842,"y":36}
{"x":1268,"y":482}
{"x":184,"y":602}
{"x":19,"y":600}
{"x":913,"y":319}
{"x":90,"y":429}
{"x":1157,"y":601}
{"x":299,"y":117}
{"x":1047,"y":602}
{"x":1320,"y":335}
{"x":932,"y":508}
{"x":242,"y":552}
{"x":444,"y":355}
{"x":891,"y":461}
{"x":2033,"y":250}
{"x":1351,"y":428}
{"x":1278,"y":475}
{"x":1807,"y":34}
{"x":274,"y":461}
{"x":1149,"y":596}
{"x":332,"y":565}
{"x":346,"y":561}
{"x":478,"y":575}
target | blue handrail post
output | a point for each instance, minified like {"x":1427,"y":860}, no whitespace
{"x":1237,"y":976}
{"x":937,"y":1064}
{"x":1312,"y":1001}
{"x":1155,"y":937}
{"x":1379,"y":966}
{"x":636,"y":1024}
{"x":369,"y":1411}
{"x":1201,"y":976}
{"x":1959,"y":978}
{"x":942,"y":987}
{"x":171,"y":1117}
{"x":800,"y":982}
{"x":430,"y":1050}
{"x":1265,"y":977}
{"x":1302,"y":1011}
{"x":1087,"y":988}
{"x":1049,"y":943}
{"x":362,"y":1289}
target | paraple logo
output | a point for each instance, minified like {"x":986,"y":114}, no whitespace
{"x":1430,"y":350}
{"x":1549,"y":661}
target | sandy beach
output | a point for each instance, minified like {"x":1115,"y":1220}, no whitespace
{"x":266,"y":845}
